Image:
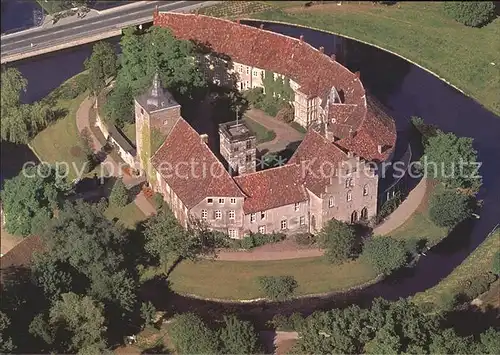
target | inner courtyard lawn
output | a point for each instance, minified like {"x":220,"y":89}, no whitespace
{"x":418,"y":31}
{"x":262,"y":134}
{"x":233,"y":280}
{"x":129,"y":215}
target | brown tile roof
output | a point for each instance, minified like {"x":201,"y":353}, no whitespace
{"x":21,"y":255}
{"x":272,"y":188}
{"x":190,"y":168}
{"x":315,"y":72}
{"x":321,"y":157}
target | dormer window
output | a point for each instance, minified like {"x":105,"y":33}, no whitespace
{"x":210,"y":201}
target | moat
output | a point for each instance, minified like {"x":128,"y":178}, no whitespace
{"x":405,"y":89}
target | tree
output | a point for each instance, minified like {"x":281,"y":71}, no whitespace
{"x":490,"y":342}
{"x":148,"y":312}
{"x":190,"y":335}
{"x":453,"y":161}
{"x":238,"y":337}
{"x":101,"y":65}
{"x":495,"y":265}
{"x":384,"y":254}
{"x":6,"y":344}
{"x":448,"y":342}
{"x":448,"y":208}
{"x":119,"y":194}
{"x":19,"y":122}
{"x":50,"y":276}
{"x":30,"y":199}
{"x":118,"y":108}
{"x":470,"y":13}
{"x":338,"y":238}
{"x":278,"y":287}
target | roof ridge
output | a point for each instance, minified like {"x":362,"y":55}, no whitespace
{"x":265,"y":170}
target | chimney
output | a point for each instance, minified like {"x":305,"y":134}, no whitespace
{"x":204,"y":138}
{"x":380,"y":148}
{"x":322,"y":49}
{"x":358,"y":74}
{"x":261,"y":26}
{"x":302,"y":38}
{"x":349,"y":154}
{"x":333,"y":57}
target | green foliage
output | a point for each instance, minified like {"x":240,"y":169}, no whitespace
{"x":19,"y":122}
{"x":284,"y":323}
{"x":470,"y":13}
{"x":448,"y":208}
{"x":448,"y":301}
{"x":158,"y":200}
{"x":490,"y":342}
{"x":190,"y":335}
{"x":6,"y":344}
{"x":101,"y":65}
{"x":277,"y":94}
{"x":338,"y":240}
{"x":278,"y":287}
{"x":384,"y":254}
{"x":495,"y":264}
{"x":50,"y":276}
{"x":148,"y":312}
{"x":119,"y":194}
{"x":448,"y":342}
{"x":305,"y":239}
{"x":257,"y":239}
{"x":452,"y":160}
{"x":119,"y":106}
{"x":238,"y":337}
{"x":426,"y":130}
{"x":30,"y":198}
{"x":476,"y":286}
{"x":254,"y":96}
{"x":72,"y":88}
{"x":388,"y":207}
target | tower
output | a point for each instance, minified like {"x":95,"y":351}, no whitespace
{"x":238,"y":146}
{"x":156,"y":113}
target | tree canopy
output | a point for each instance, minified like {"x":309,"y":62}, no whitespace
{"x":338,"y":239}
{"x":238,"y":337}
{"x":101,"y":65}
{"x":119,"y":194}
{"x":30,"y":198}
{"x":384,"y":254}
{"x":450,"y":207}
{"x":470,"y":13}
{"x":6,"y":344}
{"x":190,"y":335}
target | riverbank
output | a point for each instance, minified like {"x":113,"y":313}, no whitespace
{"x":419,"y":32}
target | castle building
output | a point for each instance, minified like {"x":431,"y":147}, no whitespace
{"x":330,"y":175}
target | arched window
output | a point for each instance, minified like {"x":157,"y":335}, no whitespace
{"x":354,"y":217}
{"x":348,"y":182}
{"x":313,"y":222}
{"x":349,"y":196}
{"x":331,"y":202}
{"x":364,"y":213}
{"x":365,"y":190}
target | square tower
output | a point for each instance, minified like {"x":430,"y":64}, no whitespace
{"x":156,"y":113}
{"x":238,"y":146}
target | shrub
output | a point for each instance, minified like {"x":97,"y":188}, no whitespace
{"x":292,"y":323}
{"x":305,"y":239}
{"x":477,"y":286}
{"x":338,"y":238}
{"x":190,"y":335}
{"x":278,"y":287}
{"x":448,"y":301}
{"x":495,"y":267}
{"x":384,"y":254}
{"x":158,"y":200}
{"x":449,"y":207}
{"x":389,"y":206}
{"x":148,"y":312}
{"x":254,"y":96}
{"x":258,"y":239}
{"x":119,"y":194}
{"x":238,"y":337}
{"x":470,"y":13}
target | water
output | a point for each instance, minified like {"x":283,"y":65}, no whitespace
{"x":406,"y":90}
{"x":19,"y":15}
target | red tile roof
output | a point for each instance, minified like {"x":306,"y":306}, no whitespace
{"x":272,"y":188}
{"x":321,"y":157}
{"x":190,"y":168}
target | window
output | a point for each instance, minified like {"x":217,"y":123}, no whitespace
{"x":142,"y":111}
{"x":248,"y":158}
{"x":204,"y":214}
{"x":262,"y":229}
{"x":210,"y":201}
{"x":348,"y":182}
{"x":252,"y":218}
{"x":232,"y":215}
{"x":331,"y":202}
{"x":221,"y":201}
{"x":249,"y":144}
{"x":263,"y":215}
{"x":283,"y":224}
{"x":296,"y":207}
{"x":218,"y":214}
{"x":247,"y":84}
{"x":302,"y":220}
{"x":349,"y":195}
{"x":235,"y":149}
{"x":365,"y":190}
{"x":240,"y":68}
{"x":248,"y":71}
{"x":255,"y":73}
{"x":233,"y":233}
{"x":232,"y":200}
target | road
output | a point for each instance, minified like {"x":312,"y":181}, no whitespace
{"x":20,"y":43}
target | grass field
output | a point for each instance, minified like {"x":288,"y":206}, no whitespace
{"x":238,"y":280}
{"x":478,"y":262}
{"x":418,"y":31}
{"x":262,"y":134}
{"x":59,"y":141}
{"x":129,"y":215}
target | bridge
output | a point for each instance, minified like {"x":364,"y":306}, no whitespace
{"x":108,"y":23}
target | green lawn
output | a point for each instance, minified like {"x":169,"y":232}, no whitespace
{"x":129,"y":215}
{"x":262,"y":133}
{"x":238,"y":280}
{"x":59,"y":142}
{"x":418,"y":31}
{"x":478,"y":262}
